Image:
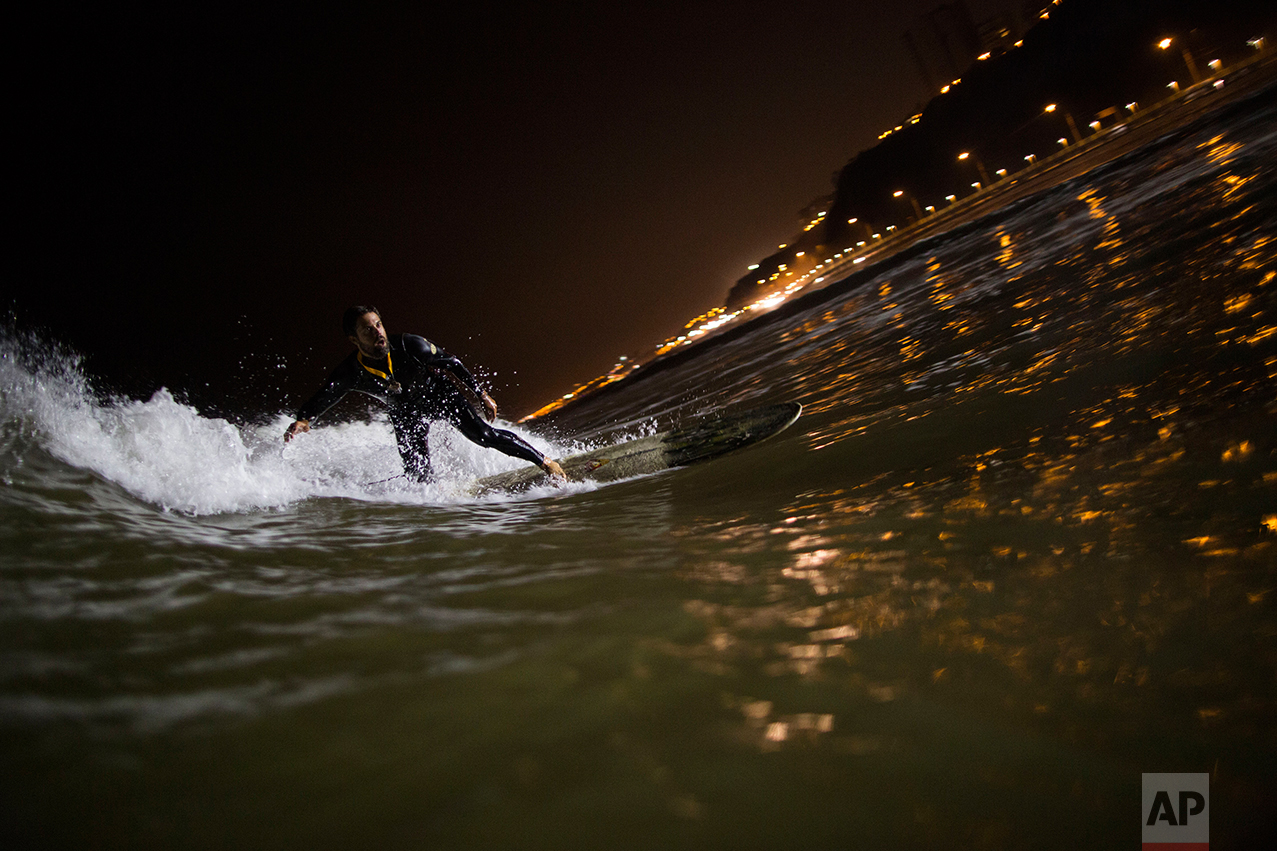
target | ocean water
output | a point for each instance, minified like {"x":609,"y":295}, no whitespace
{"x":1020,"y":548}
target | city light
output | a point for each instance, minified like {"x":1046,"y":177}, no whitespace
{"x":820,"y":272}
{"x":984,"y":174}
{"x":1068,"y":118}
{"x":1165,"y":44}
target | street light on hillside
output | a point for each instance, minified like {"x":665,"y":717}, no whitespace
{"x":1052,"y":107}
{"x":916,"y":208}
{"x":1165,"y":44}
{"x":984,"y":174}
{"x":855,"y":220}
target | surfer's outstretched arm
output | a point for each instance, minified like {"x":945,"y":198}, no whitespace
{"x":341,"y":381}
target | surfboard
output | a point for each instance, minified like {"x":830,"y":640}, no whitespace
{"x":706,"y":438}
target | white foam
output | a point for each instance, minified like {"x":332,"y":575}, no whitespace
{"x":167,"y":453}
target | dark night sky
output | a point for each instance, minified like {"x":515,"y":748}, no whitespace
{"x":537,"y":189}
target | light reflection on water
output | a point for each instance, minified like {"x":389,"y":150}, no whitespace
{"x":1060,"y":568}
{"x":1099,"y":562}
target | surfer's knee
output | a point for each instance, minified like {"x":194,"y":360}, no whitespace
{"x":487,"y":436}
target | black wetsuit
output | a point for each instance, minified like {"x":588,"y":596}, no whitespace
{"x":416,"y":392}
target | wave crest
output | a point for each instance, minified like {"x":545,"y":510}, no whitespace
{"x":166,"y":453}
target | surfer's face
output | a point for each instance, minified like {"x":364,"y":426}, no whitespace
{"x":370,"y":336}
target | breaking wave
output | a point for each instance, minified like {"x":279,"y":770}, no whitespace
{"x":167,"y":453}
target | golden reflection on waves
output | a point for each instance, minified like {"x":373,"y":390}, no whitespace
{"x":1034,"y":559}
{"x":1111,"y":227}
{"x":1219,"y":151}
{"x":1063,"y":568}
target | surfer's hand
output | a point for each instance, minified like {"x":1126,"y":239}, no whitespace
{"x":296,"y":429}
{"x":489,"y":407}
{"x":556,"y":472}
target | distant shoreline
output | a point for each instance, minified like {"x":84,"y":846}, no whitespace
{"x":1242,"y":82}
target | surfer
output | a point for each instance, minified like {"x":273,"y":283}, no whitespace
{"x":419,"y":383}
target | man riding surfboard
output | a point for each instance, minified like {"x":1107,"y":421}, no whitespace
{"x":414,"y":379}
